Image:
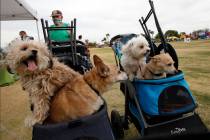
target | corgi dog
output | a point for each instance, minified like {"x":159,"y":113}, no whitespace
{"x":81,"y":96}
{"x":102,"y":76}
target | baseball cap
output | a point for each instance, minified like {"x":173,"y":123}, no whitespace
{"x":56,"y":13}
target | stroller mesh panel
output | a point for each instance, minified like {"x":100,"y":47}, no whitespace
{"x":164,"y":97}
{"x":173,"y":98}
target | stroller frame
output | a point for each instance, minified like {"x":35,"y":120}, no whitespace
{"x":166,"y":47}
{"x":119,"y":123}
{"x":72,"y":51}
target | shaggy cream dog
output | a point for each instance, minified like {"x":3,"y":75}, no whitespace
{"x":134,"y":54}
{"x":43,"y":77}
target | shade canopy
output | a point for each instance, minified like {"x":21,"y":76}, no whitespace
{"x":17,"y":10}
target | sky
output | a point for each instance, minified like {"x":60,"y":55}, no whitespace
{"x":96,"y":18}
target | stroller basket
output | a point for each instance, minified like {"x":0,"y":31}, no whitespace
{"x":165,"y":97}
{"x":94,"y":127}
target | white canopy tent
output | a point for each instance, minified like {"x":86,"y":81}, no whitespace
{"x":13,"y":10}
{"x":18,"y":10}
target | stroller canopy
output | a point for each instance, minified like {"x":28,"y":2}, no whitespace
{"x":118,"y":41}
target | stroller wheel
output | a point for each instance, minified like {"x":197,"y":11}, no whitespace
{"x":117,"y":124}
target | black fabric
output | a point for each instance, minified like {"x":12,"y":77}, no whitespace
{"x":94,"y":127}
{"x":154,"y":50}
{"x":68,"y":49}
{"x":192,"y":124}
{"x":173,"y":98}
{"x":194,"y":136}
{"x":123,"y":38}
{"x":65,"y":55}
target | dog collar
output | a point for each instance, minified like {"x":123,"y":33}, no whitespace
{"x":156,"y":74}
{"x":96,"y":91}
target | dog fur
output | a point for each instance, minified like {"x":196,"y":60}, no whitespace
{"x":67,"y":105}
{"x":134,"y":54}
{"x":102,"y":76}
{"x":46,"y":79}
{"x":158,"y":67}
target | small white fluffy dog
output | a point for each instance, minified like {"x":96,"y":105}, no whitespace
{"x":134,"y":54}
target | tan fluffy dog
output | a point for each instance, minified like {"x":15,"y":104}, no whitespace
{"x":43,"y":77}
{"x":158,"y":67}
{"x":67,"y":104}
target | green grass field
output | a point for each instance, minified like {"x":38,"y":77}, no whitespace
{"x":194,"y":60}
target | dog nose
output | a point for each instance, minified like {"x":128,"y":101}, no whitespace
{"x":34,"y":52}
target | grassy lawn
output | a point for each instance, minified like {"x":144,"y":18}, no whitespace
{"x":194,"y":60}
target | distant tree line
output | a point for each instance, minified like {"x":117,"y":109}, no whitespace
{"x":201,"y":33}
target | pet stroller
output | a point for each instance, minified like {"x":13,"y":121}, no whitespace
{"x":94,"y":127}
{"x":160,"y":107}
{"x":73,"y":53}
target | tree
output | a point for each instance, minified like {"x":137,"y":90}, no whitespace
{"x":105,"y":40}
{"x":171,"y":33}
{"x":182,"y":33}
{"x":157,"y":36}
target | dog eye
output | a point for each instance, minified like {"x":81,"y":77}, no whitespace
{"x":170,"y":64}
{"x":141,"y":47}
{"x":23,"y":49}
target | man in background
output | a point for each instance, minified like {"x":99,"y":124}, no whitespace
{"x":59,"y":35}
{"x":23,"y":36}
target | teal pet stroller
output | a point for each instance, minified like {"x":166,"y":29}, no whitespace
{"x":156,"y":107}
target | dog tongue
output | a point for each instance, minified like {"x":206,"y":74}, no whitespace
{"x":31,"y":65}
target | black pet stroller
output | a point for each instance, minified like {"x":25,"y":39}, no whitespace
{"x":160,"y":107}
{"x":94,"y":127}
{"x":73,"y":53}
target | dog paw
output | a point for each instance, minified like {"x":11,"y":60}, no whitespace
{"x":29,"y":121}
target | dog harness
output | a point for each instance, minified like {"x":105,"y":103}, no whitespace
{"x":155,"y":74}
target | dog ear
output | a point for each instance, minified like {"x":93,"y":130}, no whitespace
{"x":155,"y":59}
{"x":97,"y":60}
{"x":102,"y":69}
